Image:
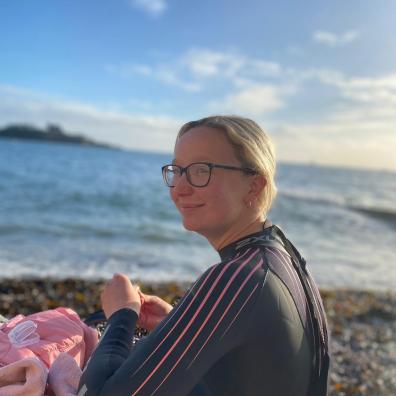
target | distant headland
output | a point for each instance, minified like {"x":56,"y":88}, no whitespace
{"x":53,"y":134}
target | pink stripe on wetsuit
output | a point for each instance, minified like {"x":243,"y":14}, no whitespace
{"x":231,"y":334}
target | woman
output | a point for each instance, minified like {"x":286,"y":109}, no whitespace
{"x":252,"y":324}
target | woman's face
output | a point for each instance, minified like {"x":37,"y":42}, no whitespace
{"x":218,"y":209}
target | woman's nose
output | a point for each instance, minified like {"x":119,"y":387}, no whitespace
{"x":182,"y":185}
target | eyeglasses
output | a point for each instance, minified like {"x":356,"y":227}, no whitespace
{"x":198,"y":173}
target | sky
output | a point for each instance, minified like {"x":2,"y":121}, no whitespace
{"x":318,"y":76}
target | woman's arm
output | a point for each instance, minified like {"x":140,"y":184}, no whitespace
{"x":207,"y":323}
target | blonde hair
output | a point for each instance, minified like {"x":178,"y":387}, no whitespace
{"x":252,"y":147}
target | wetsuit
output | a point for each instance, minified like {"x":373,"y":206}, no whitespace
{"x":248,"y":326}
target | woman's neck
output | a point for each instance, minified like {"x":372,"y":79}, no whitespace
{"x":233,"y":235}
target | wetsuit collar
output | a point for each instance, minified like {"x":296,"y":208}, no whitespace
{"x":231,"y":249}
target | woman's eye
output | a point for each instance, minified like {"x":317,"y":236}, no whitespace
{"x":175,"y":171}
{"x":203,"y":170}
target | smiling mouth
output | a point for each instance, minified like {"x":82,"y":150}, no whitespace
{"x":190,"y":207}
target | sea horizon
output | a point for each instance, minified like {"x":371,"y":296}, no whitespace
{"x":94,"y":211}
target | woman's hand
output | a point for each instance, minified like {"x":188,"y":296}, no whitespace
{"x":120,"y":293}
{"x":153,"y":310}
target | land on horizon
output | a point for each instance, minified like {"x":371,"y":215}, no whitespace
{"x":53,"y":134}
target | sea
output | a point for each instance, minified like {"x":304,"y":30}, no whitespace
{"x":87,"y":212}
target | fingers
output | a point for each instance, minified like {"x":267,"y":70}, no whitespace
{"x":119,"y":292}
{"x":119,"y":278}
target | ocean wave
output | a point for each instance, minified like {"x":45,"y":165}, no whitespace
{"x":75,"y":230}
{"x":7,"y":229}
{"x":146,"y":233}
{"x":160,"y":237}
{"x":114,"y":200}
{"x":313,"y":197}
{"x":91,"y":230}
{"x":384,"y":214}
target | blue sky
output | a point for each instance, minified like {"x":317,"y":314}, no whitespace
{"x":319,"y":76}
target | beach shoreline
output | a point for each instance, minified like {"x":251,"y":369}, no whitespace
{"x":362,"y":324}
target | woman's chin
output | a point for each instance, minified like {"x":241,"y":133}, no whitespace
{"x":189,"y":225}
{"x":198,"y":228}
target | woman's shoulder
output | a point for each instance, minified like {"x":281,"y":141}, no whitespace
{"x":247,"y":264}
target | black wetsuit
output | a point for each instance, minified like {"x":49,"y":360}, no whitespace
{"x":251,"y":325}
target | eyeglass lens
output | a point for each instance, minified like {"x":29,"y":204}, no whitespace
{"x":197,"y":174}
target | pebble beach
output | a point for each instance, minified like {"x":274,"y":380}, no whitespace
{"x":362,"y":325}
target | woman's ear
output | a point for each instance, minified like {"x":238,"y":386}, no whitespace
{"x":257,"y":185}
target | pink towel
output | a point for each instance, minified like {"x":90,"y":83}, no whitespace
{"x":26,"y":377}
{"x":64,"y":376}
{"x":60,"y":330}
{"x":60,"y":341}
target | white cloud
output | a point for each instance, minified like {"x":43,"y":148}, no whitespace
{"x":355,"y":123}
{"x":138,"y":131}
{"x":171,"y":77}
{"x":152,"y":7}
{"x":205,"y":63}
{"x":197,"y":67}
{"x":265,"y":68}
{"x":360,"y":131}
{"x":255,"y":100}
{"x":326,"y":76}
{"x":335,"y":40}
{"x":357,"y":132}
{"x":201,"y":62}
{"x":377,"y":91}
{"x":348,"y":139}
{"x":357,"y":128}
{"x":163,"y":73}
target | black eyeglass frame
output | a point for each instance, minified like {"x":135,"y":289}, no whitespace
{"x":211,"y":165}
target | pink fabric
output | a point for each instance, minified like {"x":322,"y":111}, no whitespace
{"x":26,"y":377}
{"x":60,"y":330}
{"x":64,"y":376}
